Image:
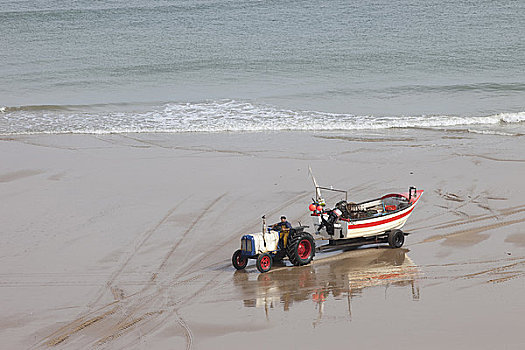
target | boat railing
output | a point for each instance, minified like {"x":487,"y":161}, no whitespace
{"x":333,"y":190}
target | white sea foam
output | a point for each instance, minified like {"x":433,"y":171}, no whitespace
{"x":493,"y":132}
{"x":224,"y":116}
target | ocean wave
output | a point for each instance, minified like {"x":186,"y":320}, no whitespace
{"x":494,"y":132}
{"x":218,"y":116}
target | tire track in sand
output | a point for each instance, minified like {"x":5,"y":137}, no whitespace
{"x":471,"y":231}
{"x":85,"y":320}
{"x":188,"y":230}
{"x":142,"y":240}
{"x":501,"y":213}
{"x":139,"y":301}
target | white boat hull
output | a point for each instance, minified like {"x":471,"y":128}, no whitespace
{"x":370,"y":226}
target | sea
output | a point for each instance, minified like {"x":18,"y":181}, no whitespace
{"x":217,"y":66}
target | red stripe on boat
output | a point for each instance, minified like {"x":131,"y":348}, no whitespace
{"x":376,"y":223}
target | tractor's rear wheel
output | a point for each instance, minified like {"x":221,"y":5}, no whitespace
{"x":396,"y":238}
{"x":264,"y":262}
{"x":239,"y":261}
{"x":301,"y":249}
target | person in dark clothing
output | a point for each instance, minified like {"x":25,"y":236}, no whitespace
{"x":282,"y":225}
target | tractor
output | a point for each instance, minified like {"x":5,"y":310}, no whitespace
{"x":269,"y":246}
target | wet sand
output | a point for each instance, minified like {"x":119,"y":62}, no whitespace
{"x":125,"y":241}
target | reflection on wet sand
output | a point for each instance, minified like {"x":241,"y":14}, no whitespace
{"x":338,"y":277}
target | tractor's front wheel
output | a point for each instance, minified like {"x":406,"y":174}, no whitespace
{"x":264,"y":262}
{"x":301,"y":249}
{"x":239,"y":261}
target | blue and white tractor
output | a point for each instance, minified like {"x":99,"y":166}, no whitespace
{"x":269,"y":246}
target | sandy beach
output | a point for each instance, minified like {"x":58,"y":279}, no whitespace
{"x":124,"y":241}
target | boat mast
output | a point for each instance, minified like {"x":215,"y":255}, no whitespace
{"x":318,"y":196}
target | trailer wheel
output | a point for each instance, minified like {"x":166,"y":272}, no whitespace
{"x":301,"y":249}
{"x":396,"y":238}
{"x":239,"y":261}
{"x":264,"y":262}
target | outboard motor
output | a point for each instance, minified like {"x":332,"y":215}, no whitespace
{"x":333,"y":216}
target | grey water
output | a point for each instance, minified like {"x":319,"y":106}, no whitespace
{"x":220,"y":65}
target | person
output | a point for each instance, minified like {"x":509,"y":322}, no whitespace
{"x":282,"y":225}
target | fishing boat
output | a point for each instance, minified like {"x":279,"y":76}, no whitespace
{"x":377,"y":220}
